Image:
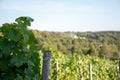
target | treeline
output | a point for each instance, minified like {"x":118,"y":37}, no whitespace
{"x":101,"y":44}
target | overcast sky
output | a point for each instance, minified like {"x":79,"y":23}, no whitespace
{"x":64,"y":15}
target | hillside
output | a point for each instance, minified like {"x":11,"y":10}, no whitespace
{"x":66,"y":67}
{"x":101,"y":44}
{"x":21,"y":55}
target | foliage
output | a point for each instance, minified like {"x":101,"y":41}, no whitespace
{"x":68,"y":68}
{"x":18,"y":53}
{"x":101,"y":44}
{"x":19,"y":58}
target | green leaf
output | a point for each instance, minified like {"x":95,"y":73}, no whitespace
{"x":26,"y":38}
{"x":24,"y":49}
{"x":19,"y":77}
{"x":18,"y":60}
{"x":10,"y":31}
{"x":23,"y":21}
{"x":4,"y":64}
{"x":1,"y":54}
{"x":27,"y":78}
{"x":5,"y":28}
{"x":29,"y":72}
{"x":13,"y":35}
{"x":31,"y":36}
{"x":5,"y":48}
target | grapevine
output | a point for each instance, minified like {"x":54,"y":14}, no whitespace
{"x":18,"y":53}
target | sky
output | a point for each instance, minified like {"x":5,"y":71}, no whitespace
{"x":64,"y":15}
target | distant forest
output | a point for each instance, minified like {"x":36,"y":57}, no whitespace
{"x":102,"y":44}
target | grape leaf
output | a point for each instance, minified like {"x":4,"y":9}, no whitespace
{"x":1,"y":54}
{"x":18,"y":60}
{"x":23,"y":22}
{"x":26,"y":38}
{"x":13,"y":35}
{"x":16,"y":51}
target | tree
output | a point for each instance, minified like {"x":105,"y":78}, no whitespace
{"x":109,"y":51}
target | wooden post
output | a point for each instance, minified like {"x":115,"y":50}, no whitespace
{"x":46,"y":65}
{"x":90,"y":71}
{"x":80,"y":71}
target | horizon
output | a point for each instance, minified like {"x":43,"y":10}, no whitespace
{"x":64,"y":15}
{"x":76,"y":31}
